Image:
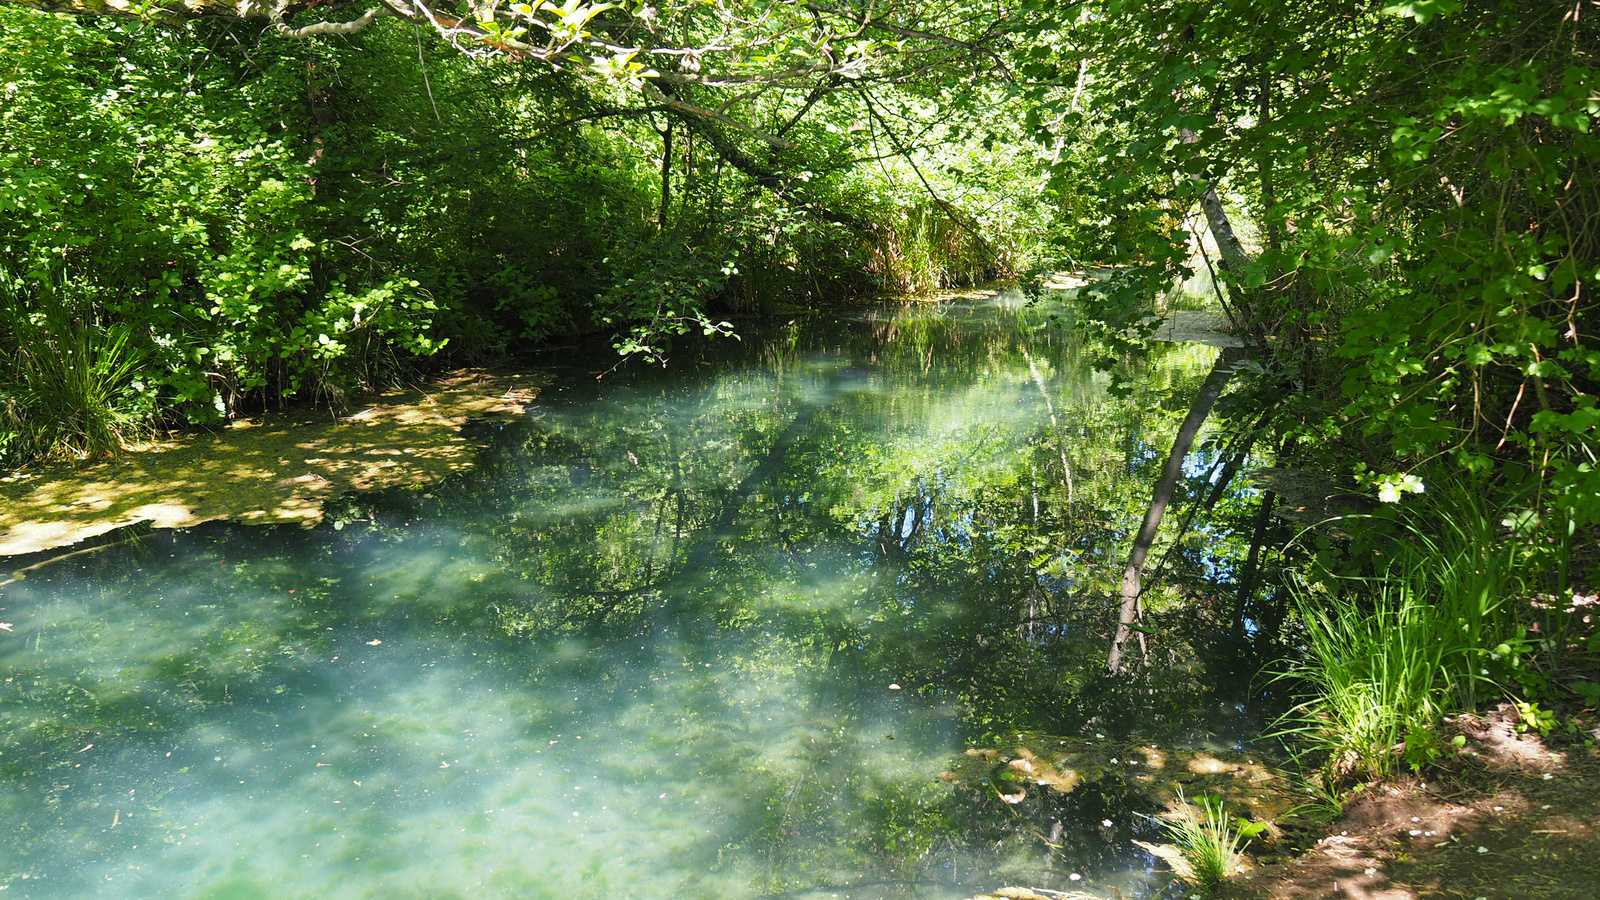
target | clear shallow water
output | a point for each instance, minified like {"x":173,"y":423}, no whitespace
{"x":708,"y":633}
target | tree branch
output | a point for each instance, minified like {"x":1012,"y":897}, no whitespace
{"x":689,"y":109}
{"x":320,"y":28}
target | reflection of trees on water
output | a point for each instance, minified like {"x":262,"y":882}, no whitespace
{"x":914,"y":445}
{"x":895,"y":505}
{"x":875,"y":505}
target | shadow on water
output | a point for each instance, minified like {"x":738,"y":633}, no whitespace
{"x":713,"y":632}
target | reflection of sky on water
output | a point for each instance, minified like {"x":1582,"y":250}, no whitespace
{"x":334,"y":715}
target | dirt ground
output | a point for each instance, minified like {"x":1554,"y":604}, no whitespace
{"x":1510,"y":817}
{"x":1513,"y":817}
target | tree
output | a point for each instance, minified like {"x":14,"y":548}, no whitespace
{"x":665,"y":52}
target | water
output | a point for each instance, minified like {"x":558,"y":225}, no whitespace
{"x":707,"y":633}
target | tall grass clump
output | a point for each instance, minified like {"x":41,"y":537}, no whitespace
{"x":922,"y":249}
{"x":70,"y":389}
{"x":1208,"y":841}
{"x":1387,"y":656}
{"x":1375,"y":666}
{"x":11,"y":427}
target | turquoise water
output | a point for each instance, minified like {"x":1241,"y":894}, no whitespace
{"x":712,"y":632}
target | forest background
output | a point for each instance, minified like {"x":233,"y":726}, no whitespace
{"x":208,"y":210}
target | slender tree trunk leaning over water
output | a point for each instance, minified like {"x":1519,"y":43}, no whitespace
{"x":1247,"y":325}
{"x":1210,"y":390}
{"x":1233,"y":262}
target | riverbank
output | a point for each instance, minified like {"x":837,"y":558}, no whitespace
{"x":1513,"y":817}
{"x":276,"y":468}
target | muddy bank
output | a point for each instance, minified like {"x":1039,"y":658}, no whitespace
{"x":276,"y":468}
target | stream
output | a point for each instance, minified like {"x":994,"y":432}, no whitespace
{"x":708,"y":632}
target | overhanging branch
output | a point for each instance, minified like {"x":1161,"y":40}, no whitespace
{"x":320,"y":28}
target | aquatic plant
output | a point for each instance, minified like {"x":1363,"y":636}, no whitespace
{"x":1209,"y":842}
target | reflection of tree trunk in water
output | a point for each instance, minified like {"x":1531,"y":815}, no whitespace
{"x":1207,"y":396}
{"x":900,"y":526}
{"x":705,"y":544}
{"x":1252,"y":563}
{"x":1055,"y":427}
{"x":1235,"y":462}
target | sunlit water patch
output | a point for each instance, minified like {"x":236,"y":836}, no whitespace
{"x":714,"y":633}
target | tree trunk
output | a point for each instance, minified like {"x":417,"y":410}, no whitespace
{"x":666,"y":176}
{"x":1207,"y":396}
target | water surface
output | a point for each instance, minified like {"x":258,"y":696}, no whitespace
{"x":712,"y":632}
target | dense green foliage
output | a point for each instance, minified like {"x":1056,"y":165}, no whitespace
{"x":1415,"y":191}
{"x":257,"y":220}
{"x":1418,"y":190}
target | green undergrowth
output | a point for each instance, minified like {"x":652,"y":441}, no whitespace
{"x":1467,"y":601}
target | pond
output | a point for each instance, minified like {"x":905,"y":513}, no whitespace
{"x":712,"y":632}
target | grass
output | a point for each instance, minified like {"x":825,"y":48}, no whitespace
{"x":1208,"y":841}
{"x":69,"y":391}
{"x":1375,"y":669}
{"x":1387,"y":656}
